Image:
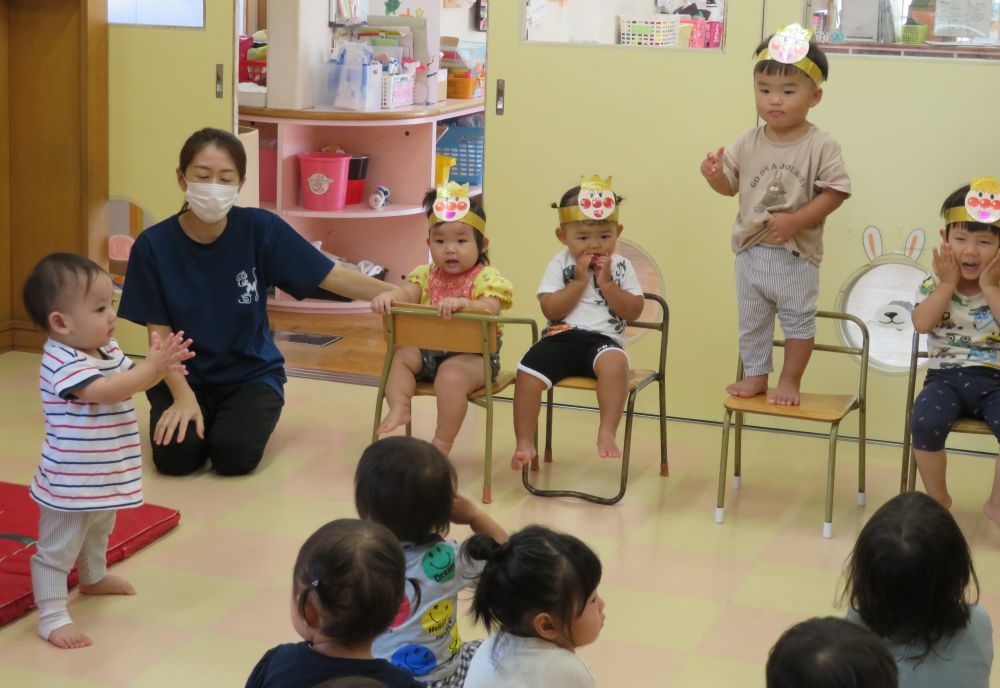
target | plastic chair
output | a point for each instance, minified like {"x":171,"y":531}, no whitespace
{"x":823,"y":408}
{"x":908,"y":472}
{"x":472,"y":332}
{"x":638,"y":379}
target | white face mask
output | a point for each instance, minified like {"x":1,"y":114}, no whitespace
{"x":211,"y":202}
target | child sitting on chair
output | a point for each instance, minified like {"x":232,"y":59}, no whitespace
{"x":957,"y":307}
{"x":460,"y":278}
{"x":789,"y":176}
{"x":587,"y":294}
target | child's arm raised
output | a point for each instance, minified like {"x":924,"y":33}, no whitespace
{"x":164,"y":357}
{"x":557,"y":305}
{"x":784,"y":226}
{"x":408,"y":293}
{"x":464,"y":512}
{"x":712,"y":171}
{"x":626,"y":304}
{"x":927,"y":314}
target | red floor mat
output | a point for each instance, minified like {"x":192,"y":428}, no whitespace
{"x":134,"y":529}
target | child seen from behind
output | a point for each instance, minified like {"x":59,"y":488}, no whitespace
{"x":408,"y":486}
{"x":91,"y":464}
{"x":458,"y":278}
{"x":790,"y":177}
{"x":538,"y":598}
{"x":587,"y":294}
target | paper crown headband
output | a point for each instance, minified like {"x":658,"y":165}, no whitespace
{"x":790,"y":46}
{"x":982,"y":204}
{"x":596,"y":201}
{"x":452,"y":205}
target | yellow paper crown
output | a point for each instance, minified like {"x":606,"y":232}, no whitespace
{"x":982,"y":204}
{"x":452,"y":205}
{"x":790,"y":45}
{"x":596,"y":201}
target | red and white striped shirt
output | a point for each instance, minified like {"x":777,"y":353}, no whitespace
{"x":92,"y":454}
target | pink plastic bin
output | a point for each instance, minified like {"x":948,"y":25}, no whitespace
{"x":323,"y":176}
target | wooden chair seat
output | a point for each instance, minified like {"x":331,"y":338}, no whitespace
{"x":971,"y":425}
{"x":637,"y":377}
{"x":503,"y":380}
{"x":826,"y":408}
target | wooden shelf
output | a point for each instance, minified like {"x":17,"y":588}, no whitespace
{"x":357,"y":211}
{"x":453,"y":107}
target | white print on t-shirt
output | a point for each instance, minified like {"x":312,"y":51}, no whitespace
{"x":249,"y":287}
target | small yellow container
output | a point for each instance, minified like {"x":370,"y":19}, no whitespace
{"x":442,"y":168}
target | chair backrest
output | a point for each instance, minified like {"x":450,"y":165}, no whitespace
{"x":467,"y":332}
{"x":860,"y":351}
{"x":662,"y":326}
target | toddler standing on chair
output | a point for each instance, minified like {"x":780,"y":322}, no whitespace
{"x":91,"y":456}
{"x":789,"y":176}
{"x":459,"y":278}
{"x":587,"y":294}
{"x":957,"y":308}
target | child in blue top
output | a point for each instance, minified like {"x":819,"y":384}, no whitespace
{"x":346,"y":587}
{"x":458,"y":278}
{"x":957,"y":307}
{"x":408,"y":486}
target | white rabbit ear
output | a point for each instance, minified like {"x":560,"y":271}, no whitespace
{"x":872,"y":240}
{"x":914,"y":245}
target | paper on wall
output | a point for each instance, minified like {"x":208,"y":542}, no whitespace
{"x":963,"y":18}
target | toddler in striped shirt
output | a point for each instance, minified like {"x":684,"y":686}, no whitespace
{"x":91,"y":463}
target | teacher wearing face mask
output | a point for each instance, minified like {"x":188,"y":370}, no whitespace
{"x":206,"y":271}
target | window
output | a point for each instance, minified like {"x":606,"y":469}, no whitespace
{"x":180,"y":13}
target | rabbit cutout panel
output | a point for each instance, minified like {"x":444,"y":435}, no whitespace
{"x":881,"y":293}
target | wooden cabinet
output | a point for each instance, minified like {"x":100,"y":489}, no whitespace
{"x":401,"y":147}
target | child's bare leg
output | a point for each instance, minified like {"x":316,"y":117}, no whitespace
{"x":527,"y":405}
{"x":932,"y":466}
{"x":456,"y":378}
{"x":797,"y":354}
{"x":400,"y":386}
{"x":55,"y":625}
{"x":748,"y":386}
{"x":992,"y":506}
{"x":611,"y":369}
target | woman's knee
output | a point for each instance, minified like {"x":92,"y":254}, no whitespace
{"x":180,"y":458}
{"x":236,"y":456}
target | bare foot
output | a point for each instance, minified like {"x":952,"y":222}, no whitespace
{"x":748,"y":386}
{"x":443,"y":447}
{"x":69,"y":637}
{"x":524,"y":454}
{"x":607,"y":447}
{"x":109,"y":585}
{"x":992,"y":511}
{"x":397,"y":416}
{"x":785,"y":394}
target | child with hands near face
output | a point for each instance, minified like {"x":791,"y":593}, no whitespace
{"x":789,"y":176}
{"x":587,"y":294}
{"x":459,"y":278}
{"x":957,"y":307}
{"x":91,"y":457}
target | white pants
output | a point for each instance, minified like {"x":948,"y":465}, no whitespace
{"x":65,"y":537}
{"x":771,"y":281}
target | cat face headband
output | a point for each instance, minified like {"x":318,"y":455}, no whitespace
{"x":982,"y":204}
{"x":452,"y":205}
{"x":596,"y":201}
{"x":791,"y":46}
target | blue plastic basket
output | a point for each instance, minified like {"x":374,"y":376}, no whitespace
{"x":466,"y":145}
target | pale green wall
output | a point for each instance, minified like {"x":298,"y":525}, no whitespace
{"x":911,"y":131}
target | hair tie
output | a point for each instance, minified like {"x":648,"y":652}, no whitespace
{"x":314,"y":582}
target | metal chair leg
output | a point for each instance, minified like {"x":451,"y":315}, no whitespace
{"x":861,"y":457}
{"x":409,"y":429}
{"x":488,"y":469}
{"x":904,"y":470}
{"x":664,"y":462}
{"x":830,"y":471}
{"x":738,"y":453}
{"x":548,"y":425}
{"x":720,"y":505}
{"x":911,"y":473}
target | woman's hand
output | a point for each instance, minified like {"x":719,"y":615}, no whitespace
{"x":176,"y":417}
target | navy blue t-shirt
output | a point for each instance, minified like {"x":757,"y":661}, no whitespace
{"x":297,"y":665}
{"x":217,"y":293}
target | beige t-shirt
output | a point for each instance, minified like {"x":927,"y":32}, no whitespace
{"x":773,"y":176}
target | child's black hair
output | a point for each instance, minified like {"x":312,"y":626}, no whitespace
{"x":537,"y":571}
{"x":572,"y":197}
{"x":353,"y":572}
{"x":773,"y":67}
{"x":910,"y":571}
{"x":476,"y":208}
{"x":51,"y":278}
{"x":957,"y":200}
{"x":830,"y":653}
{"x":406,"y":485}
